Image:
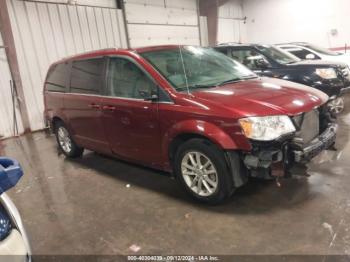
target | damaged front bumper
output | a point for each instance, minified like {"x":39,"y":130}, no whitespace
{"x":276,"y":159}
{"x":317,"y":145}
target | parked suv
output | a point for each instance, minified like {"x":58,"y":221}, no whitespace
{"x":187,"y":110}
{"x":271,"y":61}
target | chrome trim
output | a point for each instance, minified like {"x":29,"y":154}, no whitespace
{"x":16,"y":219}
{"x":123,"y":98}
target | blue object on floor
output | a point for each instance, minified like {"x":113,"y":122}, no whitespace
{"x":10,"y":173}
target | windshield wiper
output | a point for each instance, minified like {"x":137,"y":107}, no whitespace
{"x":195,"y":87}
{"x":250,"y":77}
{"x":229,"y":81}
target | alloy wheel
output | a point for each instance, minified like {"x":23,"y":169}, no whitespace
{"x":64,"y":139}
{"x":199,"y":173}
{"x":336,"y":106}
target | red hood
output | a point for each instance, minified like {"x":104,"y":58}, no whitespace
{"x":264,"y":96}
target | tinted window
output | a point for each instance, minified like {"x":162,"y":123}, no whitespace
{"x":249,"y":58}
{"x":125,"y":79}
{"x":86,"y":76}
{"x":56,"y":79}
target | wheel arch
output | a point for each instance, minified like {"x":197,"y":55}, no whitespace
{"x":187,"y":130}
{"x":54,"y":122}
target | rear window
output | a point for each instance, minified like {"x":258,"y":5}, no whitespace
{"x":86,"y":76}
{"x":56,"y":79}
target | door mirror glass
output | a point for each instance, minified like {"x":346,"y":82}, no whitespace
{"x":310,"y":57}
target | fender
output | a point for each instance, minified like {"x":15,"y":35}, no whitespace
{"x":202,"y":128}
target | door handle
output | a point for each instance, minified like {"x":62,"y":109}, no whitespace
{"x":108,"y":108}
{"x":94,"y":106}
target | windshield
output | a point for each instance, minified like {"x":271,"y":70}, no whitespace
{"x":322,"y":50}
{"x":277,"y":54}
{"x":192,"y":67}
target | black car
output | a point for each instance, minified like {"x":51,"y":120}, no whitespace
{"x":271,"y":61}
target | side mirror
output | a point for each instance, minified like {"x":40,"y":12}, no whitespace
{"x":261,"y":63}
{"x":310,"y":57}
{"x":152,"y":98}
{"x":147,"y":96}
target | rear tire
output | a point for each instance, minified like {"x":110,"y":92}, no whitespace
{"x":65,"y":142}
{"x":201,"y":169}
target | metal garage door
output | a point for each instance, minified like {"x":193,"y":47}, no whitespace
{"x":6,"y":103}
{"x":45,"y":32}
{"x":231,"y":24}
{"x":155,"y":22}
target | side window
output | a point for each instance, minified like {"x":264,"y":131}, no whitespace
{"x":222,"y":50}
{"x":56,"y":79}
{"x":250,"y":58}
{"x":86,"y":76}
{"x":303,"y":53}
{"x":125,"y":79}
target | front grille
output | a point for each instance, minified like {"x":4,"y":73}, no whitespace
{"x":308,"y":126}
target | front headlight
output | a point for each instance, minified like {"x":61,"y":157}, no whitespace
{"x":266,"y":128}
{"x":326,"y":73}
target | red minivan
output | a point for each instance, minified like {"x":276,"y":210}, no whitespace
{"x":188,"y":110}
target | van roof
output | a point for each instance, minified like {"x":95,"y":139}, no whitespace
{"x":110,"y":51}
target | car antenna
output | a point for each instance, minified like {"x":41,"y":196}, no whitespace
{"x":183,"y":67}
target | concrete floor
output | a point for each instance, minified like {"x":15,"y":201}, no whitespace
{"x":97,"y":205}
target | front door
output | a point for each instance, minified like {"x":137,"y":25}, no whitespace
{"x":131,"y":122}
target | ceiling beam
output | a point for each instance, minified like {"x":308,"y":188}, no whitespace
{"x":210,"y":9}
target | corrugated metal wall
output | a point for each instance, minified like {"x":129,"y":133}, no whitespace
{"x":231,"y":27}
{"x":46,"y":32}
{"x":6,"y":104}
{"x":157,"y":22}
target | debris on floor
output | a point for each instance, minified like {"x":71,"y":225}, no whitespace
{"x":328,"y":227}
{"x":135,"y":248}
{"x":127,"y":185}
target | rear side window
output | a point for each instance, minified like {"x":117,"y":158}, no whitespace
{"x":86,"y":76}
{"x":56,"y":79}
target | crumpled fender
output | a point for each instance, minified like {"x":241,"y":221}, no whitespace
{"x":202,"y":128}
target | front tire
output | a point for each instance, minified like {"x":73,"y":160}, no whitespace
{"x":65,"y":142}
{"x":201,"y":169}
{"x":336,"y":106}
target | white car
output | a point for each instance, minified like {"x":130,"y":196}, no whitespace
{"x":307,"y":51}
{"x":14,"y":244}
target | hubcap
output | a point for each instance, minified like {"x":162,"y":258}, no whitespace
{"x":199,"y":173}
{"x":336,"y":106}
{"x":64,"y":139}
